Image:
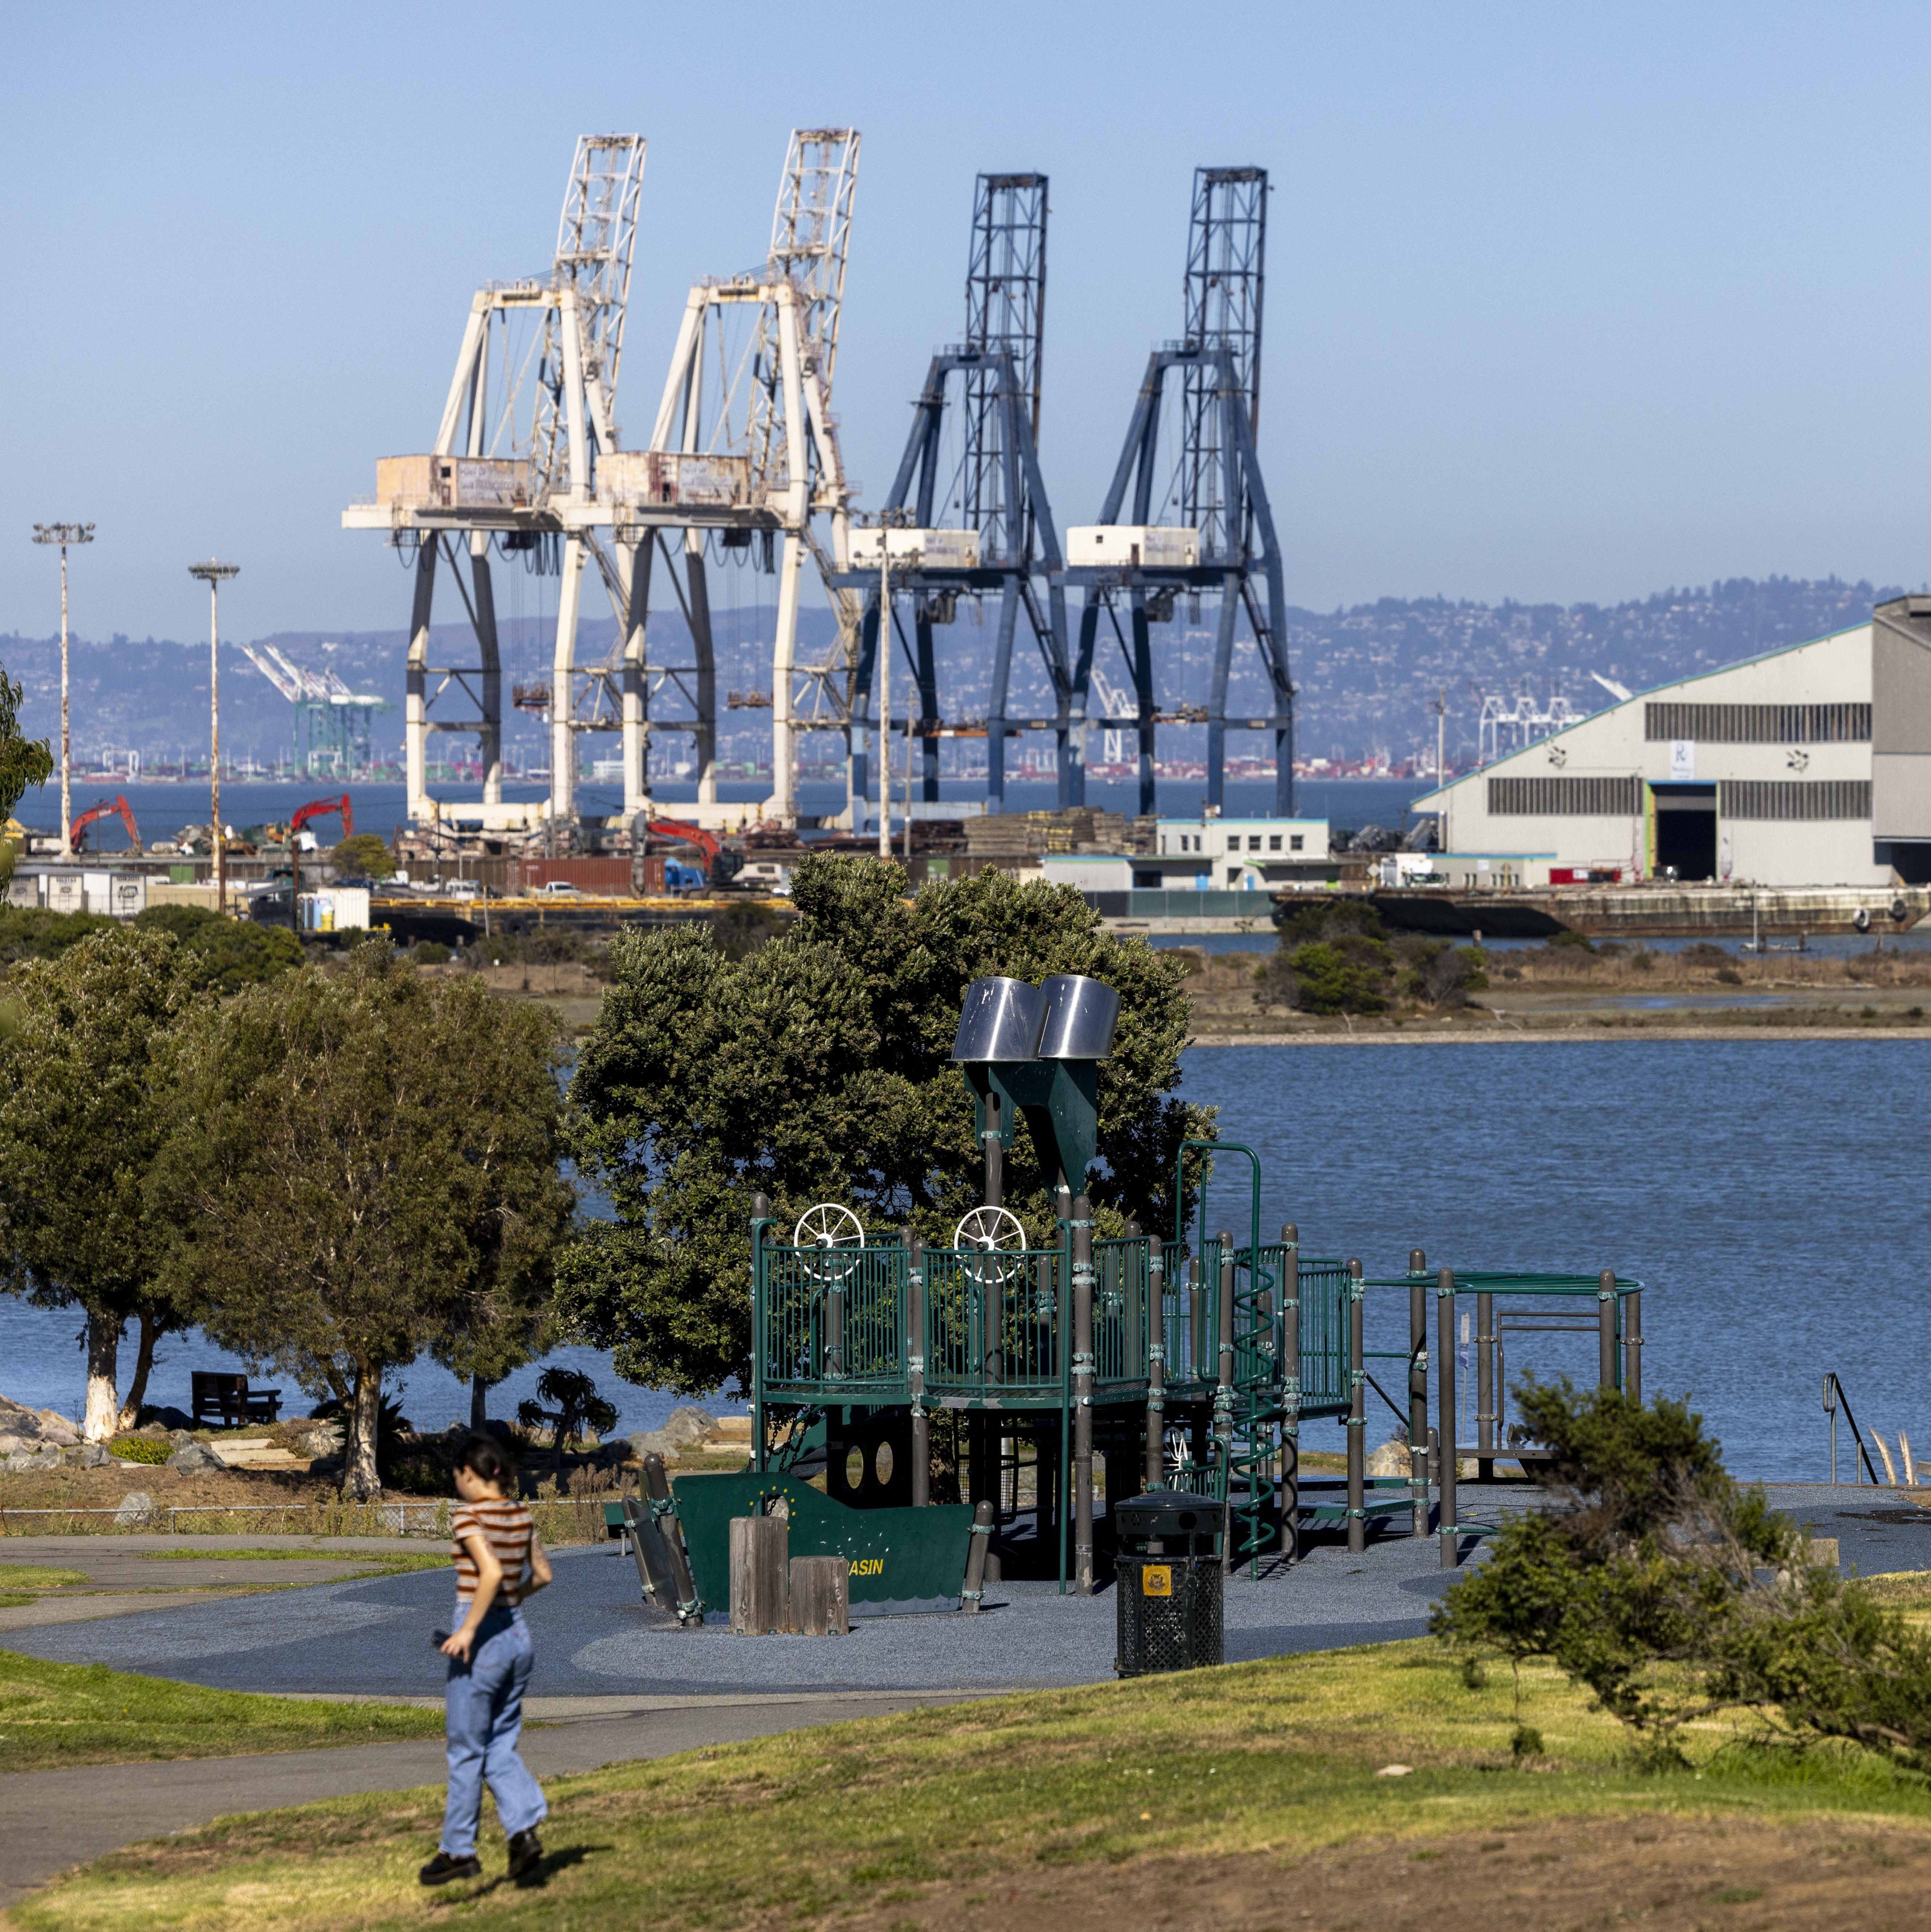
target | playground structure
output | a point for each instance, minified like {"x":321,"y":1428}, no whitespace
{"x":1187,"y":1362}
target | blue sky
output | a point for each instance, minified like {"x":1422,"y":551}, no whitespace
{"x":1562,"y":302}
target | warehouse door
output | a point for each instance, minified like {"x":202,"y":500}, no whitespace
{"x":1686,"y":829}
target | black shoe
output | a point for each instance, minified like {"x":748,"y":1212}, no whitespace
{"x":525,"y":1853}
{"x":441,"y":1868}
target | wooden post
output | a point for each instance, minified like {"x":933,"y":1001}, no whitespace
{"x":1451,"y":1531}
{"x":1083,"y":1368}
{"x":977,"y":1556}
{"x":760,"y":1211}
{"x":1418,"y":1392}
{"x":915,"y":1371}
{"x":820,"y":1595}
{"x":1632,"y":1352}
{"x":1484,"y":1388}
{"x":760,"y":1575}
{"x":1223,"y":1397}
{"x":1605,"y":1329}
{"x":1291,"y":1390}
{"x":1357,"y":1417}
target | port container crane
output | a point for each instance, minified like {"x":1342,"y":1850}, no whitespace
{"x":967,"y":512}
{"x":1204,"y":524}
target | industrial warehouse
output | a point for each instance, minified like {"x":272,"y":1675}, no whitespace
{"x":1811,"y":765}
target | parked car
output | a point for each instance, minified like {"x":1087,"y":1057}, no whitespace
{"x":558,"y":889}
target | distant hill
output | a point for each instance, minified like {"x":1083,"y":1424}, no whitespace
{"x":1368,"y":673}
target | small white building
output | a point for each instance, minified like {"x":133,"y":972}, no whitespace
{"x":1808,"y":766}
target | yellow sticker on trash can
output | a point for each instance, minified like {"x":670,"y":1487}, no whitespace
{"x":1157,"y":1580}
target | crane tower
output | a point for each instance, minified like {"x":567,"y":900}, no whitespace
{"x":529,"y":417}
{"x":967,"y":511}
{"x":745,"y":445}
{"x":1206,"y":523}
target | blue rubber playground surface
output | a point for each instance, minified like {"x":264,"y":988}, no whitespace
{"x":594,"y":1637}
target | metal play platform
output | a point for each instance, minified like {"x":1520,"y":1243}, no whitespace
{"x":1188,"y":1361}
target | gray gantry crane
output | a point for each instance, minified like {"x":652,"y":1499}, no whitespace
{"x":1203,"y":523}
{"x":967,"y":511}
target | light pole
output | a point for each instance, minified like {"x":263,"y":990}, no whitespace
{"x":64,"y":534}
{"x":213,"y":574}
{"x":884,"y":688}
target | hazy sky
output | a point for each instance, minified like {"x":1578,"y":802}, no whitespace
{"x":1562,"y":302}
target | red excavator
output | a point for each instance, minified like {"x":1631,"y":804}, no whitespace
{"x":721,"y":866}
{"x":121,"y":809}
{"x":321,"y":807}
{"x":316,"y":807}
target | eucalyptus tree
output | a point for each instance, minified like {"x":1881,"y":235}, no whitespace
{"x":354,"y":1158}
{"x":817,"y":1067}
{"x":83,"y":1110}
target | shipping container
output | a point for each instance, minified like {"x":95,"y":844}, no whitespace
{"x":609,"y":877}
{"x":339,"y":909}
{"x":453,"y":482}
{"x":671,"y":477}
{"x":1124,"y":546}
{"x":911,"y":549}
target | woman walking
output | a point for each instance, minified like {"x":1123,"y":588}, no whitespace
{"x":499,"y":1563}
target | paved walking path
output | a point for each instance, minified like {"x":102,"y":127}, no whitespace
{"x":618,"y":1679}
{"x":56,"y":1819}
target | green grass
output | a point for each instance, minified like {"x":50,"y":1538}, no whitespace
{"x":12,"y":1600}
{"x":373,"y":1560}
{"x":1276,"y":1757}
{"x":38,"y":1576}
{"x":62,"y":1714}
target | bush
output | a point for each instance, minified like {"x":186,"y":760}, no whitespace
{"x":430,"y":953}
{"x":225,"y":954}
{"x":1348,"y":977}
{"x":1438,"y":974}
{"x":31,"y":932}
{"x":1672,"y":1594}
{"x":141,"y":1449}
{"x":364,"y":856}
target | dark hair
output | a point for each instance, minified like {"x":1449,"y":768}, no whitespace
{"x":486,"y":1458}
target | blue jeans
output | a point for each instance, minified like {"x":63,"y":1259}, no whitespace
{"x":484,"y":1705}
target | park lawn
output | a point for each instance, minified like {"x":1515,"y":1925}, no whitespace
{"x":57,"y":1715}
{"x":1175,"y":1778}
{"x":376,"y":1561}
{"x":38,"y":1576}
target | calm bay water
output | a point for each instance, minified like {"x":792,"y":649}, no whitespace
{"x":1766,"y":1193}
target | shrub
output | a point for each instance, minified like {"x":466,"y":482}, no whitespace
{"x":1347,"y":978}
{"x":430,"y":953}
{"x":1671,"y":1594}
{"x":140,"y":1449}
{"x":364,"y":856}
{"x":1439,"y":974}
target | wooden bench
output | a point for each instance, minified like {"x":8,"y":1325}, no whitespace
{"x":228,"y":1399}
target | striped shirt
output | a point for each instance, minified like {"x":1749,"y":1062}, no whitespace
{"x":507,"y":1527}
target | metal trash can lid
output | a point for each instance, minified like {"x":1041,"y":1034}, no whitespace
{"x":1165,"y":1513}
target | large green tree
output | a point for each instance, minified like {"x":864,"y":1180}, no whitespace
{"x":83,"y":1113}
{"x":354,"y":1158}
{"x":816,"y":1068}
{"x":23,"y":762}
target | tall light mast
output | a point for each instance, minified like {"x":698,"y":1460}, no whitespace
{"x":215,"y":575}
{"x":64,"y":534}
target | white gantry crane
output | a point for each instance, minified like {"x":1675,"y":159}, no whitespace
{"x":745,"y":442}
{"x":528,"y":462}
{"x":531,"y":411}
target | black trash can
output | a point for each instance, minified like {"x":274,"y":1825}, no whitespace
{"x":1170,"y":1608}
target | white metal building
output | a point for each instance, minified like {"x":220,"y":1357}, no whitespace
{"x":1811,"y":765}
